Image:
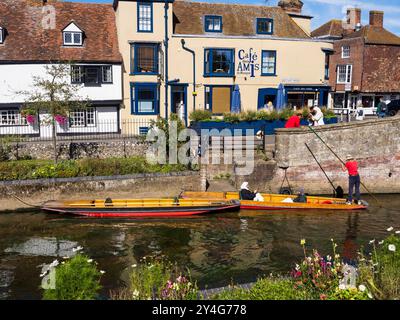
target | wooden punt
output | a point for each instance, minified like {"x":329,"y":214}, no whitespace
{"x":276,"y":201}
{"x":141,"y":208}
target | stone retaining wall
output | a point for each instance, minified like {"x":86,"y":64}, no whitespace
{"x":79,"y":149}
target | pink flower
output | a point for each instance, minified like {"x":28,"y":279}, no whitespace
{"x":60,"y":119}
{"x":30,"y":119}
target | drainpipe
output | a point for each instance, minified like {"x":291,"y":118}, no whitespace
{"x":194,"y":71}
{"x":166,"y":6}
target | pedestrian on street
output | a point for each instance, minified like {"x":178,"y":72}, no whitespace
{"x":351,"y":166}
{"x":360,"y":114}
{"x":381,"y":109}
{"x":294,"y":120}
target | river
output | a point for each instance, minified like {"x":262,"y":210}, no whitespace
{"x":230,"y":247}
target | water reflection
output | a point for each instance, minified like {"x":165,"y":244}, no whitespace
{"x":217,"y":249}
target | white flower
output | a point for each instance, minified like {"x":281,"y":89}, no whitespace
{"x":79,"y":248}
{"x":63,"y":262}
{"x":135,"y":294}
{"x":372,"y":241}
{"x":90,"y":260}
{"x":369,"y":295}
{"x":297,"y":267}
{"x":381,"y":242}
{"x":389,"y":229}
{"x":392,"y":247}
{"x":134,"y":265}
{"x":397,"y":232}
{"x":66,"y":257}
{"x":328,"y":258}
{"x":362,"y":288}
{"x":102,"y":272}
{"x":342,"y":287}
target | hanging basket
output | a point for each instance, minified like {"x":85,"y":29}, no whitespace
{"x":30,"y":119}
{"x":60,"y":119}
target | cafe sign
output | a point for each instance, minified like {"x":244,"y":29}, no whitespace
{"x":248,"y":62}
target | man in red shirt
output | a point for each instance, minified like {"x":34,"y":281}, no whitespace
{"x":354,"y":179}
{"x":294,"y":121}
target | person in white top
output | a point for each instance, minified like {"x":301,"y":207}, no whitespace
{"x":317,"y":117}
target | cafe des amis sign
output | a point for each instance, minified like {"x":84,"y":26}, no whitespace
{"x":248,"y":62}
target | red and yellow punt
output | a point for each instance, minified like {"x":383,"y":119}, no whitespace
{"x":141,"y":208}
{"x":278,"y":201}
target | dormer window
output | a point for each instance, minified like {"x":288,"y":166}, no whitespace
{"x":1,"y":35}
{"x":213,"y":23}
{"x":265,"y":26}
{"x":72,"y":35}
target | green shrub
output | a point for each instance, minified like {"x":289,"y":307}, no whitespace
{"x":200,"y":115}
{"x":273,"y":115}
{"x":248,"y":116}
{"x":286,"y":113}
{"x":347,"y":294}
{"x":157,"y":278}
{"x":277,"y":289}
{"x":381,"y":273}
{"x":37,"y":169}
{"x":231,"y":117}
{"x":328,"y":113}
{"x":77,"y":279}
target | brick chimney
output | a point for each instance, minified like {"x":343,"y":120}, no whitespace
{"x":376,"y":18}
{"x":353,"y":16}
{"x":294,"y":6}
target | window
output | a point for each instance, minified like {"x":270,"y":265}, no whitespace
{"x":106,"y":74}
{"x":344,"y":74}
{"x":327,"y":60}
{"x":11,"y":117}
{"x":268,"y":63}
{"x":265,"y":26}
{"x":82,"y":117}
{"x":219,"y":63}
{"x":91,"y":75}
{"x":144,"y":58}
{"x":1,"y":35}
{"x":213,"y":23}
{"x":346,"y":52}
{"x":144,"y":17}
{"x":72,"y":38}
{"x":143,"y":130}
{"x":144,"y":98}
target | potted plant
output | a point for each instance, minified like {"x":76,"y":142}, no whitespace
{"x":61,"y":119}
{"x":30,"y":116}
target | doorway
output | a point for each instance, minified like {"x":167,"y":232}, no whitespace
{"x":179,"y":101}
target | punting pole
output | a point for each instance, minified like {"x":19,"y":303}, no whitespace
{"x":330,"y":181}
{"x":334,"y":153}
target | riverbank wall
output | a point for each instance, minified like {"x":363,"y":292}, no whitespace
{"x":38,"y":191}
{"x":375,"y":144}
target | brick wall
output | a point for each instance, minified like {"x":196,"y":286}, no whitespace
{"x":382,"y":72}
{"x":375,"y":144}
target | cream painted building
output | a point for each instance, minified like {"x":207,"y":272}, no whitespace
{"x":214,"y":49}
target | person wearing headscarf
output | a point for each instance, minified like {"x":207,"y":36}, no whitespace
{"x":247,"y":194}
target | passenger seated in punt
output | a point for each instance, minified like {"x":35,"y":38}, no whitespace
{"x":301,"y":197}
{"x":246,"y":194}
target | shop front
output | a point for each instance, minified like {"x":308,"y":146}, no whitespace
{"x":306,"y":96}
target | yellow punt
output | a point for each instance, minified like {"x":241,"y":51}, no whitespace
{"x":278,"y":201}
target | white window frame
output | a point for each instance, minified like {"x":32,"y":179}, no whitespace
{"x":1,"y":35}
{"x":12,"y":118}
{"x":72,"y":43}
{"x":345,"y":75}
{"x":79,"y":118}
{"x":346,"y":52}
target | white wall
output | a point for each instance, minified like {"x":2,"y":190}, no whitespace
{"x":19,"y":77}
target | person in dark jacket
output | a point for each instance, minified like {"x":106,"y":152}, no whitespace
{"x":246,"y":194}
{"x":301,"y":197}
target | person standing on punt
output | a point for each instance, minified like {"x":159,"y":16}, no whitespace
{"x":351,"y":166}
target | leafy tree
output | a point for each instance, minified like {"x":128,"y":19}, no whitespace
{"x":54,"y":94}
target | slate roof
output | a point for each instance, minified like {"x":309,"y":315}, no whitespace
{"x":26,"y":40}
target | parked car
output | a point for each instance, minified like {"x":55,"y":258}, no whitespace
{"x":393,"y":107}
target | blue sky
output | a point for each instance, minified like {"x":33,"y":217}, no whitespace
{"x":324,"y":10}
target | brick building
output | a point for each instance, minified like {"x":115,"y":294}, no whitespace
{"x":365,"y":62}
